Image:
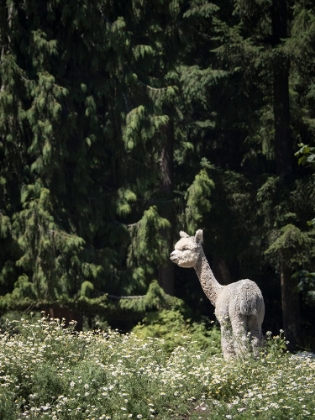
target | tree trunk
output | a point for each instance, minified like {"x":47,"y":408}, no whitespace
{"x":221,"y":270}
{"x":166,"y":270}
{"x":5,"y":33}
{"x":281,"y":103}
{"x":290,"y":305}
{"x":283,"y":143}
{"x":283,"y":157}
{"x":68,"y":315}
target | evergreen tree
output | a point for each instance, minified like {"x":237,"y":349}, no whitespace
{"x":58,"y":132}
{"x":122,"y":123}
{"x":269,"y":34}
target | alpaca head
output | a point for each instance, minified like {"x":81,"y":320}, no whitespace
{"x":187,"y":249}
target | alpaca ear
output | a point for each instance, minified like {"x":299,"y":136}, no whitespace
{"x":183,"y":234}
{"x":199,"y":236}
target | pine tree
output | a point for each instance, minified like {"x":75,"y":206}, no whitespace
{"x":58,"y":137}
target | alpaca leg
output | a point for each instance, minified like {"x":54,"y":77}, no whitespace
{"x":254,"y":328}
{"x":227,"y":342}
{"x":239,"y":327}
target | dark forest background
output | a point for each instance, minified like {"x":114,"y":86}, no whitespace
{"x":123,"y":122}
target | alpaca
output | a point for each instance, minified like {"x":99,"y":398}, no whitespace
{"x":239,"y":306}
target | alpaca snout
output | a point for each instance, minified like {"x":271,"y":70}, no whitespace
{"x":174,"y":256}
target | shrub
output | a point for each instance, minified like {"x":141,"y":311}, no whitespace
{"x":174,"y":330}
{"x":50,"y":372}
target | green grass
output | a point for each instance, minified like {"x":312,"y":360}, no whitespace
{"x":49,"y":372}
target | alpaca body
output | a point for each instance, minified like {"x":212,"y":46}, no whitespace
{"x":239,"y":306}
{"x":240,"y":311}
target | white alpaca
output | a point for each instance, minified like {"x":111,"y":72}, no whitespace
{"x":239,"y":306}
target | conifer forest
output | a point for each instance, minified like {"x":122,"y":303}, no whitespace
{"x":124,"y":122}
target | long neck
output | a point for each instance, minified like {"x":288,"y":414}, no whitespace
{"x":209,"y":283}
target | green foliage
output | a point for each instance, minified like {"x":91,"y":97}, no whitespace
{"x":295,"y":245}
{"x":199,"y":8}
{"x":155,"y":298}
{"x":171,"y":327}
{"x":5,"y":226}
{"x":306,"y":154}
{"x":306,"y":286}
{"x":275,"y":345}
{"x":148,"y":246}
{"x":23,"y":288}
{"x":133,"y":129}
{"x":198,"y":203}
{"x":125,"y":197}
{"x":47,"y":250}
{"x":86,"y":289}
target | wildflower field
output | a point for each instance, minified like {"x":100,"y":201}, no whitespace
{"x":50,"y":372}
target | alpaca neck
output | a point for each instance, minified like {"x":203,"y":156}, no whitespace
{"x":209,"y":283}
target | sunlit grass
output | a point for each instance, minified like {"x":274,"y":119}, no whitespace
{"x":49,"y":372}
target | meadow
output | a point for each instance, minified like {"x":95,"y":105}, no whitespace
{"x":48,"y":371}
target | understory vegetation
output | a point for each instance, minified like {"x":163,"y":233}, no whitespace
{"x":49,"y":371}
